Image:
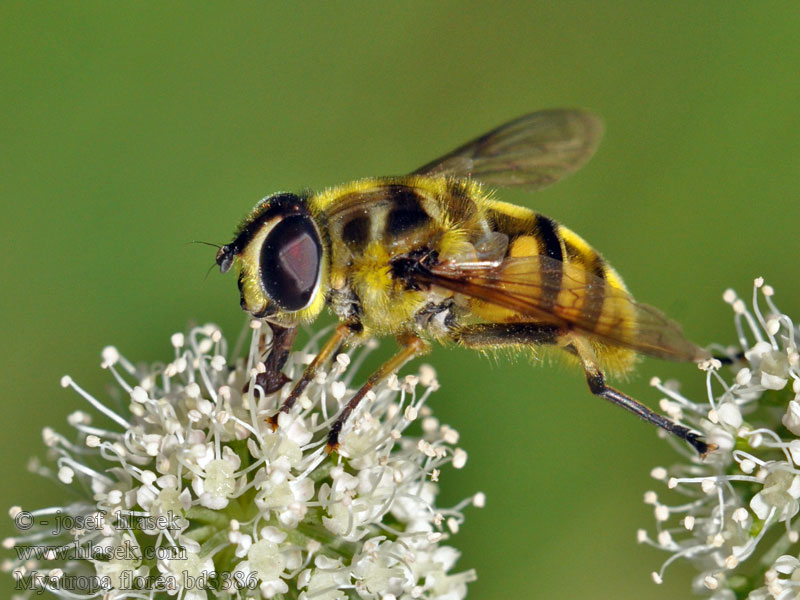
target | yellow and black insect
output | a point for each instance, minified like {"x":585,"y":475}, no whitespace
{"x":432,"y":256}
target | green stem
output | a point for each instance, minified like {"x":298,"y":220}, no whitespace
{"x":200,"y":534}
{"x":206,"y":515}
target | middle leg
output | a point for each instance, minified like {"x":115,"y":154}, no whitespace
{"x":342,"y":333}
{"x":410,"y":347}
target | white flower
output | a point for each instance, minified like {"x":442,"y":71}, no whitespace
{"x":189,"y":490}
{"x":217,"y":483}
{"x":781,"y":488}
{"x":734,"y":519}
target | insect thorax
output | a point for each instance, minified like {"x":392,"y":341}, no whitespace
{"x":373,"y":222}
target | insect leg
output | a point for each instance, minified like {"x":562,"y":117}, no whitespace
{"x":729,"y":359}
{"x":598,"y":386}
{"x":486,"y":335}
{"x":410,"y":347}
{"x":273,"y":378}
{"x":340,"y":335}
{"x":513,"y":334}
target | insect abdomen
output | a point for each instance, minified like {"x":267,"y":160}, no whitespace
{"x":573,"y":284}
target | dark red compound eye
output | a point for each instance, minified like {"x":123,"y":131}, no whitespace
{"x":290,"y":262}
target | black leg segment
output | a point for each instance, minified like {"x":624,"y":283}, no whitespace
{"x":495,"y":335}
{"x":598,"y":387}
{"x":597,"y":384}
{"x":273,"y":378}
{"x":506,"y":334}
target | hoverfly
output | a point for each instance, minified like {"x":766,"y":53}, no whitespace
{"x":433,"y":257}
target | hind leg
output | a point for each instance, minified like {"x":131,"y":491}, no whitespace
{"x":495,"y":335}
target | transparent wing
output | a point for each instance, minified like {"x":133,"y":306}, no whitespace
{"x":541,"y":289}
{"x":534,"y":150}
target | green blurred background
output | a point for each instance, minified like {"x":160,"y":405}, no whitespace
{"x":129,"y":130}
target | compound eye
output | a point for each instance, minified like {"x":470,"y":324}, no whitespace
{"x":290,"y":262}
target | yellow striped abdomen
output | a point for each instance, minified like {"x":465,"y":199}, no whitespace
{"x":572,"y":285}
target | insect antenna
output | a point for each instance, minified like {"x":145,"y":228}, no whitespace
{"x":213,"y":245}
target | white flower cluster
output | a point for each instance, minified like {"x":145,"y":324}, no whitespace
{"x":735,"y":519}
{"x":189,"y":494}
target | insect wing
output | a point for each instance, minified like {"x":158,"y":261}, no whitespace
{"x":545,"y":290}
{"x":534,"y":150}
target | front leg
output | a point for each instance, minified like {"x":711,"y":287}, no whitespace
{"x":410,"y":347}
{"x":273,"y":378}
